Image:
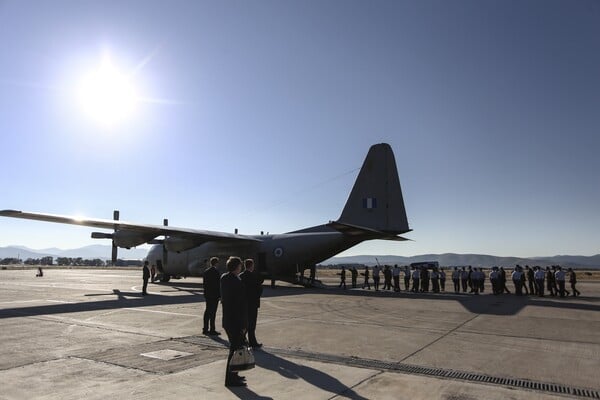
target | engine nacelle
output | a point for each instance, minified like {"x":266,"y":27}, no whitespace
{"x":180,"y":244}
{"x":128,"y":239}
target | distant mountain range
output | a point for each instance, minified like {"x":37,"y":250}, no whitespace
{"x":100,"y":251}
{"x":448,"y":259}
{"x":475,"y":260}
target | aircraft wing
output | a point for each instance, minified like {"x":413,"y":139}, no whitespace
{"x":145,"y":231}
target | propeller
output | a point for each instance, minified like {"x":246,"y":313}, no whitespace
{"x":165,"y":251}
{"x":102,"y":235}
{"x":114,"y":246}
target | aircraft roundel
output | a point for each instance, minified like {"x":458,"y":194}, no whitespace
{"x":278,"y":252}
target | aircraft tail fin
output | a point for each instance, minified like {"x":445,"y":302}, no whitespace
{"x":376,"y":199}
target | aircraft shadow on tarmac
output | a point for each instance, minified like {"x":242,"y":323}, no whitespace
{"x":507,"y":304}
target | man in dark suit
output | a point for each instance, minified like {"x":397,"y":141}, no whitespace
{"x":253,"y":284}
{"x":212,"y":294}
{"x":145,"y":277}
{"x":235,"y":315}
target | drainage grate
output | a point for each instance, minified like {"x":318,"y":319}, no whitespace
{"x":419,"y":370}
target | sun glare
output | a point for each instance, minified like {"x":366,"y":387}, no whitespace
{"x":107,"y":95}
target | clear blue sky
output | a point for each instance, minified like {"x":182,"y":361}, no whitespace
{"x":252,"y":113}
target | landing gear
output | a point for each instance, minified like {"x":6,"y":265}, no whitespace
{"x":164,"y":278}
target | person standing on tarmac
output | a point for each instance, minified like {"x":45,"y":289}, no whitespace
{"x":212,"y":294}
{"x":559,"y":275}
{"x":539,"y":281}
{"x":342,"y":277}
{"x":396,"y":275}
{"x":406,"y":278}
{"x":366,"y":275}
{"x":456,"y":279}
{"x":573,"y":282}
{"x":145,"y":277}
{"x":550,"y":282}
{"x":416,"y":278}
{"x":531,"y":280}
{"x":253,"y":283}
{"x":464,"y":278}
{"x":376,"y":269}
{"x":442,"y":276}
{"x":235,"y":315}
{"x":354,"y":276}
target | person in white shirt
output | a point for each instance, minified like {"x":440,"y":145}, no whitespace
{"x":494,"y":280}
{"x":376,"y":270}
{"x":516,"y":278}
{"x":435,"y":283}
{"x":539,"y":280}
{"x":464,"y":278}
{"x":416,"y":277}
{"x":406,"y":278}
{"x":559,"y":275}
{"x":456,"y":279}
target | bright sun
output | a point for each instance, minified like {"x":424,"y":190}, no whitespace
{"x":107,"y":95}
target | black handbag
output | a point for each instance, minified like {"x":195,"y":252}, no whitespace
{"x":242,"y":359}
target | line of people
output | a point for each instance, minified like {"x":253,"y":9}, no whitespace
{"x":529,"y":281}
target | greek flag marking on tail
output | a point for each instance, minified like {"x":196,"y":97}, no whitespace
{"x":370,"y":202}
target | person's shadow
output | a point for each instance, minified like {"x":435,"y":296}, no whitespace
{"x":313,"y":376}
{"x":243,"y":392}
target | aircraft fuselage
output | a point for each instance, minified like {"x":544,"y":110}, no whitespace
{"x":279,"y":256}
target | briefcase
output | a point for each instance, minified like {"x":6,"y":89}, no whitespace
{"x":242,"y":359}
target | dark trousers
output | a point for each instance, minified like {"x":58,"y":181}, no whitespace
{"x":209,"y":314}
{"x":435,"y":285}
{"x":464,"y":284}
{"x":561,"y":288}
{"x":406,"y":283}
{"x":367,"y":284}
{"x":550,"y":287}
{"x":456,"y":285}
{"x":415,"y":287}
{"x":145,"y":286}
{"x":236,"y":340}
{"x":518,"y":286}
{"x":495,"y":288}
{"x":540,"y":287}
{"x":443,"y":284}
{"x":252,"y":317}
{"x":575,"y":291}
{"x":396,"y":283}
{"x":532,"y":288}
{"x":376,"y":282}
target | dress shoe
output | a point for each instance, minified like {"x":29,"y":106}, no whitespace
{"x":256,"y":345}
{"x":236,"y":383}
{"x":214,"y":333}
{"x":205,"y":332}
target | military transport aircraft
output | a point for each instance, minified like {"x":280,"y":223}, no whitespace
{"x":374,"y":210}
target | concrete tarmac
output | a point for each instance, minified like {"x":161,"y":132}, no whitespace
{"x":90,"y":334}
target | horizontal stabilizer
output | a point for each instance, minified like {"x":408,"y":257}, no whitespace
{"x":354,"y":230}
